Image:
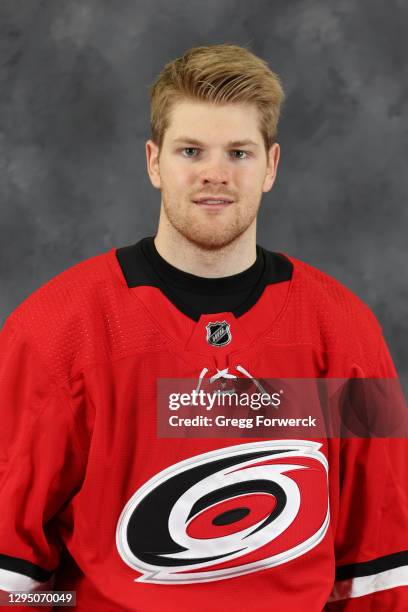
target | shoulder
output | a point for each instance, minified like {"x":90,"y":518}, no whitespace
{"x":71,"y":319}
{"x":331,"y":316}
{"x":64,"y":293}
{"x":318,"y":286}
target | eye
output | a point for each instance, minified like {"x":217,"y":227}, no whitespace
{"x":189,"y":149}
{"x":241,"y":154}
{"x":240,"y":151}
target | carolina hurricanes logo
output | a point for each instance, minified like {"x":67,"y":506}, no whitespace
{"x":226,"y":513}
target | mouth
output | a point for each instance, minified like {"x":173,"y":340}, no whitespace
{"x":213,"y":203}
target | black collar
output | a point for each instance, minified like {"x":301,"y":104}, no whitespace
{"x":199,"y":284}
{"x":141,"y":264}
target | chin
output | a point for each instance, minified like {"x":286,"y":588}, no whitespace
{"x":209,"y":241}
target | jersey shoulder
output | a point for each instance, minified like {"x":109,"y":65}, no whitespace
{"x":321,"y":286}
{"x":84,"y":315}
{"x":325,"y":313}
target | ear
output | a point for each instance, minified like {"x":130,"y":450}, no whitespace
{"x":152,"y":160}
{"x":271,"y":167}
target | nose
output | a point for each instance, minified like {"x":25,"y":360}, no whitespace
{"x":215,"y":171}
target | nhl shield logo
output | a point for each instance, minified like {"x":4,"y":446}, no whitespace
{"x":218,"y":333}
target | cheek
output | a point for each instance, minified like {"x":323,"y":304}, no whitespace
{"x":179,"y":179}
{"x":248,"y":182}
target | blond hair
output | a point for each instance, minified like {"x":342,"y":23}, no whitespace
{"x":218,"y":74}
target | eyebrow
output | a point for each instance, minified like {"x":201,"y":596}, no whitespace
{"x":233,"y":143}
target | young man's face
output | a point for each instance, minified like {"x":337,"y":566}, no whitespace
{"x":206,"y":153}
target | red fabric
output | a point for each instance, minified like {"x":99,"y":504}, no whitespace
{"x":79,"y":360}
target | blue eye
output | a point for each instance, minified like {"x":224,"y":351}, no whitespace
{"x":189,"y":149}
{"x":235,"y":151}
{"x":240,"y":151}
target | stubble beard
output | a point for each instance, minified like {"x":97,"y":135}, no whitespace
{"x":209,"y":234}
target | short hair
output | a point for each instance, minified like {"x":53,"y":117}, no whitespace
{"x":218,"y":74}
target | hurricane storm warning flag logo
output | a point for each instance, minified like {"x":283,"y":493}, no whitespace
{"x":227,"y":513}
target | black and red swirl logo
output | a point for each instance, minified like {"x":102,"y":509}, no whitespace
{"x":226,"y":513}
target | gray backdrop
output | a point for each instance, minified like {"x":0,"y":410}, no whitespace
{"x":75,"y":117}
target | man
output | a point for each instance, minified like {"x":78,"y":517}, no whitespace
{"x":93,"y":498}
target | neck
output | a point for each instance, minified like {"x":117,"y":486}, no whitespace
{"x":187,"y":256}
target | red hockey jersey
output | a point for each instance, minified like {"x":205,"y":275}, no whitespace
{"x":93,"y":500}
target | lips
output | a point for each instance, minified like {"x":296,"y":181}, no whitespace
{"x":213,"y":201}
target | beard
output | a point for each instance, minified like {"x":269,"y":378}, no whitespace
{"x":210,"y":231}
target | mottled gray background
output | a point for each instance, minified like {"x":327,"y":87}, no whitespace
{"x":75,"y":117}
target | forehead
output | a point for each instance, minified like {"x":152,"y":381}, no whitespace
{"x":205,"y":121}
